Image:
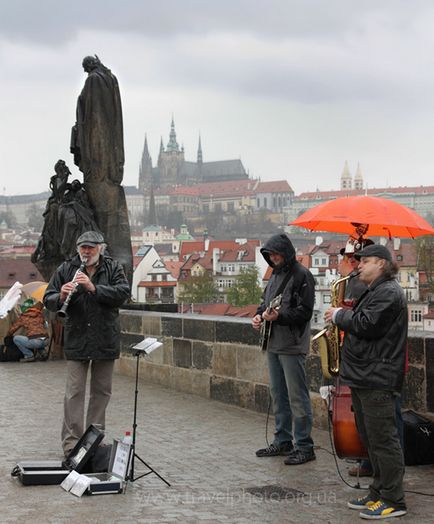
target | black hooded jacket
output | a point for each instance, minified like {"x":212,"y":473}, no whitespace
{"x":290,"y":333}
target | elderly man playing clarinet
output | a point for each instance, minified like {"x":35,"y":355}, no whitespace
{"x":91,"y":287}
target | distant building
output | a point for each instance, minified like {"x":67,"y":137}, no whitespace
{"x":418,"y":198}
{"x":17,"y":270}
{"x":172,"y":169}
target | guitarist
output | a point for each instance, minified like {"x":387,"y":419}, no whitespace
{"x":287,"y":349}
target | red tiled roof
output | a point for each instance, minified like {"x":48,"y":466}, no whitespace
{"x":372,"y":191}
{"x":19,"y":269}
{"x":233,"y":254}
{"x":429,"y":315}
{"x":276,"y":186}
{"x":268,"y":274}
{"x":154,"y":283}
{"x":191,"y":246}
{"x":174,"y":266}
{"x":180,"y":190}
{"x":19,"y":250}
{"x":229,"y":187}
{"x":224,"y":310}
{"x":136,"y":261}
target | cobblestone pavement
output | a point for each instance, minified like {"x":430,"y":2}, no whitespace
{"x":205,"y":449}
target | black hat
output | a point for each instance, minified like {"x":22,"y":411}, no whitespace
{"x":375,"y":250}
{"x":90,"y":238}
{"x":351,"y":247}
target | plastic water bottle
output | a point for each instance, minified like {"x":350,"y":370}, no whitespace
{"x":128,"y":439}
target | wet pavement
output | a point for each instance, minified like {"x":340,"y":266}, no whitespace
{"x":204,"y":449}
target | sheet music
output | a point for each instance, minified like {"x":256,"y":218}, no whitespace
{"x":148,"y":345}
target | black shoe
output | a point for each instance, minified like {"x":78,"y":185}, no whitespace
{"x":274,"y":450}
{"x":42,"y":356}
{"x":27,"y":359}
{"x":300,"y":457}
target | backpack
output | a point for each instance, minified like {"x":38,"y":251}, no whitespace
{"x":418,"y":439}
{"x":9,"y":351}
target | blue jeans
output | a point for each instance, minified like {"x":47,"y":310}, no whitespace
{"x":291,"y":401}
{"x":26,"y":345}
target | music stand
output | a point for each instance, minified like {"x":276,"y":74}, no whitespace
{"x":146,"y":346}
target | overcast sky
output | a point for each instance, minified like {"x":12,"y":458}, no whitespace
{"x":293,"y":88}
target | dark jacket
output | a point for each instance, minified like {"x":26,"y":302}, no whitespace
{"x":92,"y":328}
{"x":373,"y":353}
{"x":290,"y":333}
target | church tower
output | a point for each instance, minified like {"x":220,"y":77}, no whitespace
{"x":171,"y":161}
{"x":145,"y":169}
{"x":346,"y":179}
{"x":358,"y":179}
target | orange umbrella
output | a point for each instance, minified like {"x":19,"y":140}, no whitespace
{"x":382,"y":217}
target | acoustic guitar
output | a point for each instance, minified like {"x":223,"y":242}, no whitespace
{"x":266,"y":324}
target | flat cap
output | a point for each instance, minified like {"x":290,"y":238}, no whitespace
{"x":90,"y":238}
{"x":375,"y":250}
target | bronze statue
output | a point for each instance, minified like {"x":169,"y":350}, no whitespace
{"x":97,"y":137}
{"x":67,"y":215}
{"x":98,"y":149}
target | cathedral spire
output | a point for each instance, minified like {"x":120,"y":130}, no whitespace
{"x":346,"y":179}
{"x":173,"y":144}
{"x":358,"y":179}
{"x":199,"y":152}
{"x":145,"y":169}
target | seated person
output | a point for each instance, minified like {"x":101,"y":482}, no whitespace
{"x":32,"y":342}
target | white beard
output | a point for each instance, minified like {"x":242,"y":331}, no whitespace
{"x":91,"y":261}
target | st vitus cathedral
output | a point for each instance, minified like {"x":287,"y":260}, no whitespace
{"x":173,"y":170}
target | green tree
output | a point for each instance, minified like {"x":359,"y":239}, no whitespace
{"x":198,"y":290}
{"x":246,"y":289}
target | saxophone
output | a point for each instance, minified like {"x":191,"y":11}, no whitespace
{"x":328,"y":340}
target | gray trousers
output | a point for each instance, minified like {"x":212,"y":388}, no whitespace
{"x":374,"y":411}
{"x":101,"y":375}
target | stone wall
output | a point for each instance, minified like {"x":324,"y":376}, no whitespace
{"x":219,"y":358}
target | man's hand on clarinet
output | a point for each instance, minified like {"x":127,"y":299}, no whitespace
{"x":84,"y":280}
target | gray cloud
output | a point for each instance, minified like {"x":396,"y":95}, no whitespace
{"x":267,"y":80}
{"x":49,"y":21}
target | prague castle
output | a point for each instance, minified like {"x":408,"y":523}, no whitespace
{"x":173,"y":170}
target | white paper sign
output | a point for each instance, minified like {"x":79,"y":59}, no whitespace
{"x":148,"y":345}
{"x":121,"y":460}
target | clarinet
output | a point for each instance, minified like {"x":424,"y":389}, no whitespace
{"x":62,"y":311}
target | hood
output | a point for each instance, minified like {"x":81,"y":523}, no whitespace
{"x":283,"y":246}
